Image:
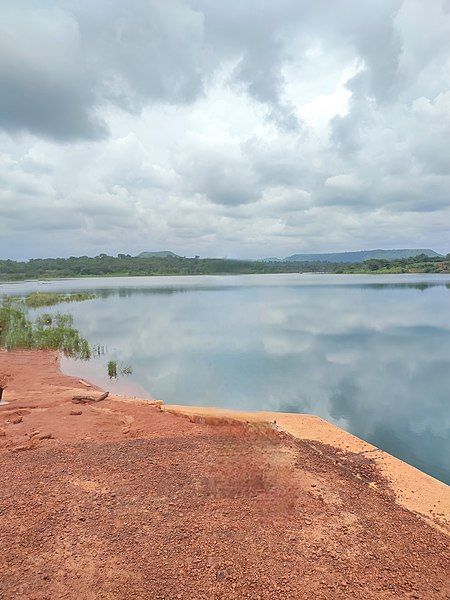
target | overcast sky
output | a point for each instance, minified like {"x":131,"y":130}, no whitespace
{"x":244,"y":128}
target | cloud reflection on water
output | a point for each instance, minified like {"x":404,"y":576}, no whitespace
{"x":374,"y":359}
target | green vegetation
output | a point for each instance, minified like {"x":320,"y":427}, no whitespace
{"x":114,"y":368}
{"x":39,"y":299}
{"x":362,"y":255}
{"x":126,"y":265}
{"x":50,"y":332}
{"x":416,"y":264}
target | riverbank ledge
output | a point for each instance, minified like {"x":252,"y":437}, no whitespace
{"x":129,"y":498}
{"x":415,"y":490}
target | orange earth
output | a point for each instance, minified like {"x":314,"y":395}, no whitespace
{"x":121,"y":499}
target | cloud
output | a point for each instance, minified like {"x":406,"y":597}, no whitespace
{"x":60,"y":64}
{"x":46,"y":89}
{"x":222,"y":175}
{"x":241,"y":129}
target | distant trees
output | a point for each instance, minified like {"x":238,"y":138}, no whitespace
{"x":124,"y":264}
{"x":375,"y":264}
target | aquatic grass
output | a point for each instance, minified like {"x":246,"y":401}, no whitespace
{"x":115,"y":368}
{"x":56,"y":332}
{"x":126,"y":369}
{"x":16,"y":331}
{"x":47,"y":332}
{"x":40,"y":299}
{"x":112,"y":369}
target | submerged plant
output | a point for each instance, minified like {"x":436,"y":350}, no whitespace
{"x":115,"y":368}
{"x":98,"y":350}
{"x":126,"y":369}
{"x":112,"y":369}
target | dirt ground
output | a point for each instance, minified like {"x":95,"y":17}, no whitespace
{"x":124,"y":501}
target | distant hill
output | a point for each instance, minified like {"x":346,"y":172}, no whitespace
{"x":361,"y":256}
{"x":160,"y":254}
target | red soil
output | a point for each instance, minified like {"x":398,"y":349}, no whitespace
{"x":123,"y":501}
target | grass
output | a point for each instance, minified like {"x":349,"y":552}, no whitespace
{"x":115,"y":368}
{"x":112,"y":369}
{"x":39,"y":299}
{"x":47,"y":332}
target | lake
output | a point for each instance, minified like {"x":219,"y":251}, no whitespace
{"x":369,"y":353}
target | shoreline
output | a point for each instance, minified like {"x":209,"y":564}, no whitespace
{"x":413,"y":489}
{"x":225,"y":274}
{"x":134,"y":498}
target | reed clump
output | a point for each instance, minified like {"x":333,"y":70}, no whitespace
{"x":40,"y":299}
{"x":112,"y":369}
{"x":116,"y":368}
{"x":47,"y":332}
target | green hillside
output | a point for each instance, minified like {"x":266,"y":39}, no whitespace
{"x":361,"y":256}
{"x":160,"y":254}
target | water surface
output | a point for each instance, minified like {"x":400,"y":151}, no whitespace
{"x":369,"y":353}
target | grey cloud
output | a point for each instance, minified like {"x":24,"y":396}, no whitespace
{"x":379,"y":45}
{"x":259,"y":71}
{"x":347,"y":132}
{"x":261,"y":39}
{"x":63,"y":62}
{"x":250,"y":36}
{"x":223,"y":176}
{"x":60,"y":64}
{"x":430,"y":132}
{"x":222,"y":184}
{"x":149,"y":50}
{"x":45,"y":86}
{"x":207,"y":120}
{"x":343,"y":189}
{"x":47,"y":108}
{"x":424,"y":193}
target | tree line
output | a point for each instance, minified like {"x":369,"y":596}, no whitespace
{"x":127,"y":265}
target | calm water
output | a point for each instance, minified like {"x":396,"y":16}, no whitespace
{"x":371,"y":354}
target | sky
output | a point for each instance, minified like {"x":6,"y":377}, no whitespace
{"x":246,"y":128}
